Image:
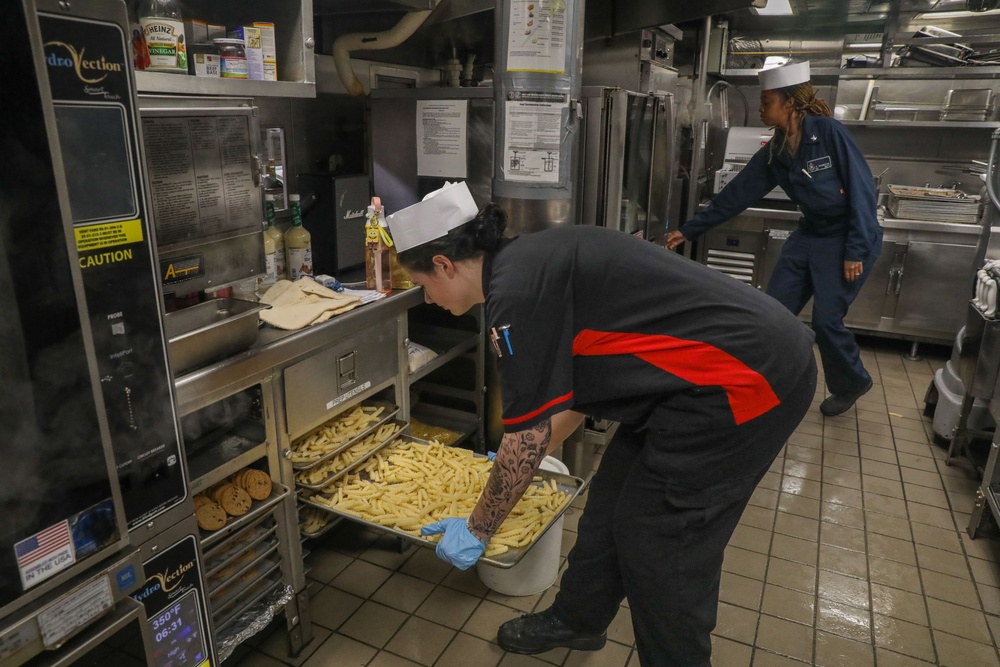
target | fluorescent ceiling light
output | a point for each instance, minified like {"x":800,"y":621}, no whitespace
{"x":775,"y":8}
{"x":872,"y":45}
{"x":955,"y":15}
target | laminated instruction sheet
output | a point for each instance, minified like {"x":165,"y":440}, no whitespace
{"x":442,"y":126}
{"x":537,"y":36}
{"x":533,"y":131}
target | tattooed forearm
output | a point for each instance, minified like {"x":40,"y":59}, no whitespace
{"x":518,"y":458}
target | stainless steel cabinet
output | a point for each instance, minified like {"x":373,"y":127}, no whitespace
{"x":929,"y":272}
{"x":917,"y":288}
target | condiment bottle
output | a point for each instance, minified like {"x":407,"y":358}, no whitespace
{"x":280,"y":271}
{"x":298,"y":243}
{"x":378,"y":268}
{"x":163,"y":31}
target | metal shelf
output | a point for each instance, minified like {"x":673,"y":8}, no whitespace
{"x":448,"y":343}
{"x":221,"y":454}
{"x":162,"y":82}
{"x":828,"y":73}
{"x":935,"y":124}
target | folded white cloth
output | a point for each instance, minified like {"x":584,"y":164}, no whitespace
{"x":304,"y":302}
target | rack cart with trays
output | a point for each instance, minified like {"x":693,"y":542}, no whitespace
{"x":304,"y":378}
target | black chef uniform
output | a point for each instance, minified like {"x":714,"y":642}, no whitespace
{"x":708,"y":378}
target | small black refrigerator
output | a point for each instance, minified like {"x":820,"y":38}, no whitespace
{"x":334,"y":213}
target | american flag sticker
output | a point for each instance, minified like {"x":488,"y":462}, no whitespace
{"x":44,"y":554}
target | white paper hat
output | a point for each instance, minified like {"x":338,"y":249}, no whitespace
{"x":438,"y":213}
{"x":781,"y":77}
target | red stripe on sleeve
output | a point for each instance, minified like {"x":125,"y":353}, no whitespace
{"x":699,"y":363}
{"x":535,"y":413}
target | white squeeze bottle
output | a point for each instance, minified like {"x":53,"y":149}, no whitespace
{"x":277,"y":239}
{"x":298,"y":243}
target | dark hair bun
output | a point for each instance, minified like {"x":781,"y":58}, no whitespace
{"x":488,"y":227}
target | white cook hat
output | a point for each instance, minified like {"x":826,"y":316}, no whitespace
{"x":437,"y":214}
{"x":784,"y":76}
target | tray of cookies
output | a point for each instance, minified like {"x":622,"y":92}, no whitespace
{"x":333,"y":469}
{"x":340,"y":433}
{"x":240,"y":511}
{"x":413,"y":483}
{"x":234,"y":571}
{"x":315,"y":523}
{"x":239,"y":584}
{"x":232,"y":497}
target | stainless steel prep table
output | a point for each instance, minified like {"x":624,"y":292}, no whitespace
{"x":916,"y":290}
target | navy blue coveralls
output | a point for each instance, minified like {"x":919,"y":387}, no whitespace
{"x":831,"y":183}
{"x":707,"y":378}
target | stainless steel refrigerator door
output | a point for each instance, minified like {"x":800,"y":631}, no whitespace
{"x":628,"y":162}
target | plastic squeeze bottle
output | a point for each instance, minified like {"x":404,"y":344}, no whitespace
{"x":280,"y":271}
{"x":298,"y":243}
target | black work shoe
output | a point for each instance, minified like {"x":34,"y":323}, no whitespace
{"x":541,"y":632}
{"x":840,"y":403}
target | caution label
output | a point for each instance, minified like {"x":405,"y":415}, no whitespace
{"x":108,"y":235}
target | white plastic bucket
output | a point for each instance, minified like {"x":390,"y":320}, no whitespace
{"x":539,"y":568}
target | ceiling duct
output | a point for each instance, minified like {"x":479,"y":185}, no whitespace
{"x":617,"y":17}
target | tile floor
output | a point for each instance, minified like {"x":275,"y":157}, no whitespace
{"x":853,"y":552}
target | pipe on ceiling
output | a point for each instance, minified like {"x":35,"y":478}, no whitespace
{"x":372,"y":41}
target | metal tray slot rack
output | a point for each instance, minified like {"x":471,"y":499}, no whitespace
{"x":388,"y":412}
{"x":231,"y":556}
{"x":236,"y":585}
{"x":256,"y":553}
{"x":256,"y":592}
{"x":258,"y":509}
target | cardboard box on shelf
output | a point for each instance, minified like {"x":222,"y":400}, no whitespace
{"x":268,"y":49}
{"x":255,"y":54}
{"x":195,"y":32}
{"x":206,"y":64}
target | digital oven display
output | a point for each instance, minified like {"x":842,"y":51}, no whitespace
{"x":177,"y":634}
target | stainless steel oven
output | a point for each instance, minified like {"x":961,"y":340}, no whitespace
{"x":93,"y":464}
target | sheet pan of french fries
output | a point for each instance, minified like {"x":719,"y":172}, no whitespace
{"x":349,"y":458}
{"x":339,"y":433}
{"x":411,"y":483}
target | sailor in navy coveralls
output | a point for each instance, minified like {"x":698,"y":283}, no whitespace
{"x":707,"y":377}
{"x":813,"y":158}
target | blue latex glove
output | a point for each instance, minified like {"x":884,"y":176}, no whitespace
{"x":492,"y":456}
{"x":458,"y":545}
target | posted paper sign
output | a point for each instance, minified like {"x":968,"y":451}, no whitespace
{"x":534,"y":123}
{"x":537,"y":36}
{"x":442,"y":127}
